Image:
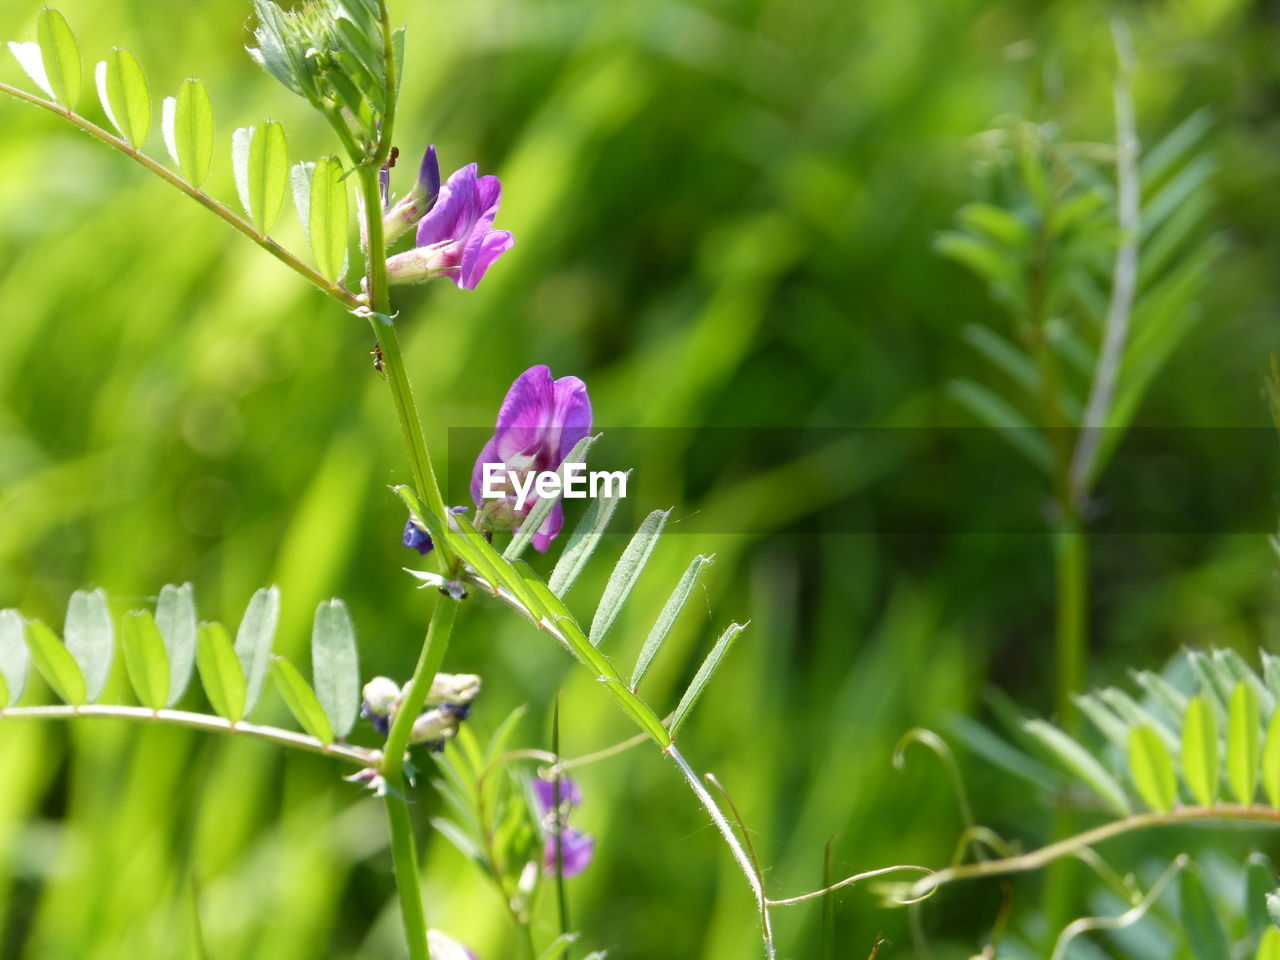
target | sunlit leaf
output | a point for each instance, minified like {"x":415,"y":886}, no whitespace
{"x":14,"y":656}
{"x":639,"y":711}
{"x":145,"y":659}
{"x":126,"y":99}
{"x":627,"y":572}
{"x":1271,"y":762}
{"x":267,"y":174}
{"x":667,"y":618}
{"x":187,"y":125}
{"x":327,"y":217}
{"x":1269,"y":948}
{"x":220,"y":672}
{"x":55,"y":663}
{"x":336,"y":666}
{"x":1152,"y":767}
{"x":253,"y":641}
{"x":61,"y":54}
{"x":705,"y":672}
{"x":31,"y":59}
{"x":1200,"y":751}
{"x":1244,"y":749}
{"x":301,"y":699}
{"x":90,"y":636}
{"x":176,"y":619}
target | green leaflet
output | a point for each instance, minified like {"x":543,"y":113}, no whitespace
{"x":14,"y":656}
{"x":61,"y":56}
{"x":1152,"y":767}
{"x":187,"y":125}
{"x":335,"y":666}
{"x":705,"y":672}
{"x":1080,"y":762}
{"x":586,"y":537}
{"x":220,"y":672}
{"x":260,"y":162}
{"x":125,"y":97}
{"x":145,"y":658}
{"x":301,"y":700}
{"x":55,"y":663}
{"x":667,"y":618}
{"x":1269,"y":949}
{"x":253,"y":641}
{"x":639,"y":711}
{"x":626,"y":573}
{"x":1244,"y":749}
{"x":1200,"y":763}
{"x":90,"y":637}
{"x":1271,"y":762}
{"x":328,"y":217}
{"x":176,"y":619}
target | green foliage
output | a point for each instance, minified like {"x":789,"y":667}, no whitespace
{"x":176,"y":618}
{"x":13,"y":655}
{"x":61,"y":57}
{"x":1203,"y":929}
{"x":1243,"y":743}
{"x":187,"y":125}
{"x":1152,"y":768}
{"x":301,"y":699}
{"x":254,"y":638}
{"x":705,"y":672}
{"x":1200,"y":751}
{"x":125,"y":96}
{"x":55,"y":663}
{"x":626,"y":573}
{"x":336,"y":666}
{"x":327,"y":217}
{"x":145,"y":658}
{"x":90,"y":636}
{"x":221,"y":672}
{"x":667,"y":618}
{"x":260,"y":159}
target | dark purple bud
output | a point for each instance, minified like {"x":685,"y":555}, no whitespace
{"x":415,"y":538}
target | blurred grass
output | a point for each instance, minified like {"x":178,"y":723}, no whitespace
{"x":724,"y":212}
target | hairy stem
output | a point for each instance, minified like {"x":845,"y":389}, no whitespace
{"x":335,"y":290}
{"x":735,"y":846}
{"x":196,"y":721}
{"x":404,"y":857}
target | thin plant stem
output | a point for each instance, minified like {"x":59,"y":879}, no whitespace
{"x":196,"y":721}
{"x":403,"y":846}
{"x":1124,"y":278}
{"x":1037,"y":859}
{"x":335,"y":290}
{"x":562,"y":895}
{"x":735,"y":846}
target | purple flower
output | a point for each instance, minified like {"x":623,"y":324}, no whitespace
{"x":456,"y":238}
{"x":415,"y":538}
{"x":573,"y":847}
{"x":575,"y":850}
{"x":544,"y":791}
{"x":540,"y":422}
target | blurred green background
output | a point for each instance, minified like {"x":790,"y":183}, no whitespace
{"x":724,"y":212}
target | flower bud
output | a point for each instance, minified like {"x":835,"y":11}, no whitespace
{"x":414,"y":205}
{"x":453,"y":688}
{"x":434,"y":726}
{"x":380,"y":696}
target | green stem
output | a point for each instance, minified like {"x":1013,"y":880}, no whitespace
{"x":404,"y":850}
{"x":384,"y":330}
{"x":335,"y":290}
{"x":1071,"y":568}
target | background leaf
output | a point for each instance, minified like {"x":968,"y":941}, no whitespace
{"x":705,"y":672}
{"x":55,"y":663}
{"x":14,"y":657}
{"x":145,"y":658}
{"x":253,"y":641}
{"x":328,"y":217}
{"x":1200,"y":763}
{"x":90,"y":636}
{"x":1152,"y":768}
{"x":625,"y":574}
{"x":188,"y":131}
{"x":220,"y":672}
{"x":336,"y":666}
{"x":1244,"y":750}
{"x":301,"y":700}
{"x":176,"y":620}
{"x":1204,"y":934}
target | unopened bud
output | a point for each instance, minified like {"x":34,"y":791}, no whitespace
{"x":414,"y":205}
{"x":453,"y":688}
{"x":434,"y":725}
{"x":380,"y":696}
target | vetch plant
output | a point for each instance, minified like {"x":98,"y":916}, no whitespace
{"x":1201,"y":746}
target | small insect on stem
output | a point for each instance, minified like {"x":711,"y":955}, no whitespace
{"x":395,"y":155}
{"x":378,"y":363}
